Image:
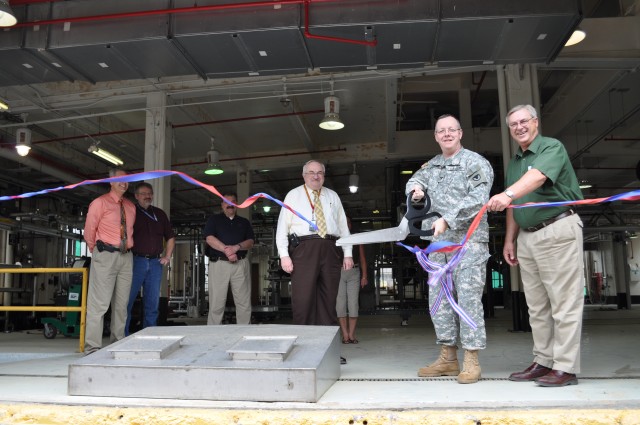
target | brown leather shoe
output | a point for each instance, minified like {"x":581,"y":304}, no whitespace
{"x":557,"y":378}
{"x":529,"y":374}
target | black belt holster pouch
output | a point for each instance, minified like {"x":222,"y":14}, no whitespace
{"x":100,"y":245}
{"x":293,"y":241}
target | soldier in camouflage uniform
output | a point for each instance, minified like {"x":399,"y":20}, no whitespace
{"x":458,"y":182}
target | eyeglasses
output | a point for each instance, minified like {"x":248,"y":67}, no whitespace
{"x":316,"y":173}
{"x":522,"y":123}
{"x":447,"y":130}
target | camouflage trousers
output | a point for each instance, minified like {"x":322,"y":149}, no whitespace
{"x":468,"y":282}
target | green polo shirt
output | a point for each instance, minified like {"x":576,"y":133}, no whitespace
{"x":550,"y":157}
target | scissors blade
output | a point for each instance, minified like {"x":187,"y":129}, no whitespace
{"x":393,"y":234}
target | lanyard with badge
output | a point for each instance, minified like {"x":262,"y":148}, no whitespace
{"x":312,"y":227}
{"x":152,"y":217}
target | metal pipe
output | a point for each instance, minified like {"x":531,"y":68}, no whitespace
{"x":37,"y":162}
{"x":139,"y":130}
{"x":194,"y":9}
{"x":308,"y":34}
{"x":242,"y":158}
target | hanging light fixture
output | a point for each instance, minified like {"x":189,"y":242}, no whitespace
{"x":3,"y":105}
{"x":331,"y":120}
{"x":577,"y":36}
{"x":104,"y":154}
{"x":213,"y":158}
{"x":353,"y":180}
{"x":7,"y":17}
{"x":285,"y":101}
{"x":23,"y":141}
{"x":266,"y":208}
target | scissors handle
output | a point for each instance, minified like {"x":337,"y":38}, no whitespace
{"x":415,"y":216}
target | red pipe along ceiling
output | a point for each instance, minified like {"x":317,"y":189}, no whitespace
{"x":194,"y":9}
{"x":139,"y":130}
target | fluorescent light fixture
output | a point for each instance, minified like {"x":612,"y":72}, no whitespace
{"x":577,"y":36}
{"x":584,"y":184}
{"x":213,"y":158}
{"x":106,"y":155}
{"x":7,"y":17}
{"x":353,"y":180}
{"x":406,"y":172}
{"x":3,"y":105}
{"x":331,"y":120}
{"x":23,"y":141}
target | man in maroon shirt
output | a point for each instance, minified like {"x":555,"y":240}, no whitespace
{"x":150,"y":232}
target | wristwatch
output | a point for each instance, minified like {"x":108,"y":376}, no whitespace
{"x":509,"y":193}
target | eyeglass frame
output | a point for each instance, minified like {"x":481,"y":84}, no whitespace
{"x":446,"y":130}
{"x":315,"y":173}
{"x":522,"y":122}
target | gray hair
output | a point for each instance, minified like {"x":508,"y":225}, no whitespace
{"x":529,"y":108}
{"x":304,"y":167}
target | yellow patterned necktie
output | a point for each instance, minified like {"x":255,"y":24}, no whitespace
{"x":123,"y":229}
{"x":320,"y":220}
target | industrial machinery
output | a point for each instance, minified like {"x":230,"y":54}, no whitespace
{"x":68,"y":323}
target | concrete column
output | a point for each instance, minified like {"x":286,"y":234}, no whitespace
{"x":158,"y":139}
{"x":464,"y":100}
{"x":158,"y":148}
{"x":517,"y":85}
{"x":522,"y":85}
{"x":243,"y":185}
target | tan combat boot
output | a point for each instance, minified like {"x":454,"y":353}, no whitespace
{"x":470,"y":368}
{"x":445,"y":365}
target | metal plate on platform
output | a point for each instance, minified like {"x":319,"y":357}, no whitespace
{"x":194,"y":363}
{"x":146,"y":347}
{"x":262,"y":348}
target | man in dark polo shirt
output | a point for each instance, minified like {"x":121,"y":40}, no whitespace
{"x":229,"y":238}
{"x":152,"y":236}
{"x":549,"y":251}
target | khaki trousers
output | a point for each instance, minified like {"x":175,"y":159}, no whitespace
{"x":552,"y":269}
{"x":223,"y":274}
{"x":109,"y":284}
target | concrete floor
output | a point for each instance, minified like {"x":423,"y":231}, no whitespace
{"x":378,"y":385}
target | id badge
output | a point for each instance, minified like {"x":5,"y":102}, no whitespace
{"x":312,"y":228}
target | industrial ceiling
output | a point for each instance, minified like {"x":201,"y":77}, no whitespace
{"x":253,"y":76}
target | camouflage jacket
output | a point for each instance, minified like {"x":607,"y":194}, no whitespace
{"x":458,"y":187}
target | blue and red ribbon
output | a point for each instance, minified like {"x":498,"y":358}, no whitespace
{"x":442,"y":274}
{"x":150,"y":175}
{"x":439,"y":273}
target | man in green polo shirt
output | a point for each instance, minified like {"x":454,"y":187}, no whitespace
{"x":549,"y":250}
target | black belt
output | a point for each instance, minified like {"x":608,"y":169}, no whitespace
{"x":109,"y":248}
{"x":148,"y":257}
{"x":214,"y":259}
{"x":307,"y":237}
{"x":550,"y":221}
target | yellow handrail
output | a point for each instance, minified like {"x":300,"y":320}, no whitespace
{"x":83,"y":304}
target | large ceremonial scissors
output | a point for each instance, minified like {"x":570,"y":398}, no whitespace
{"x":410,"y":223}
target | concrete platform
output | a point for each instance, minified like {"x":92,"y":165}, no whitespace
{"x":378,"y":385}
{"x":274,"y":363}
